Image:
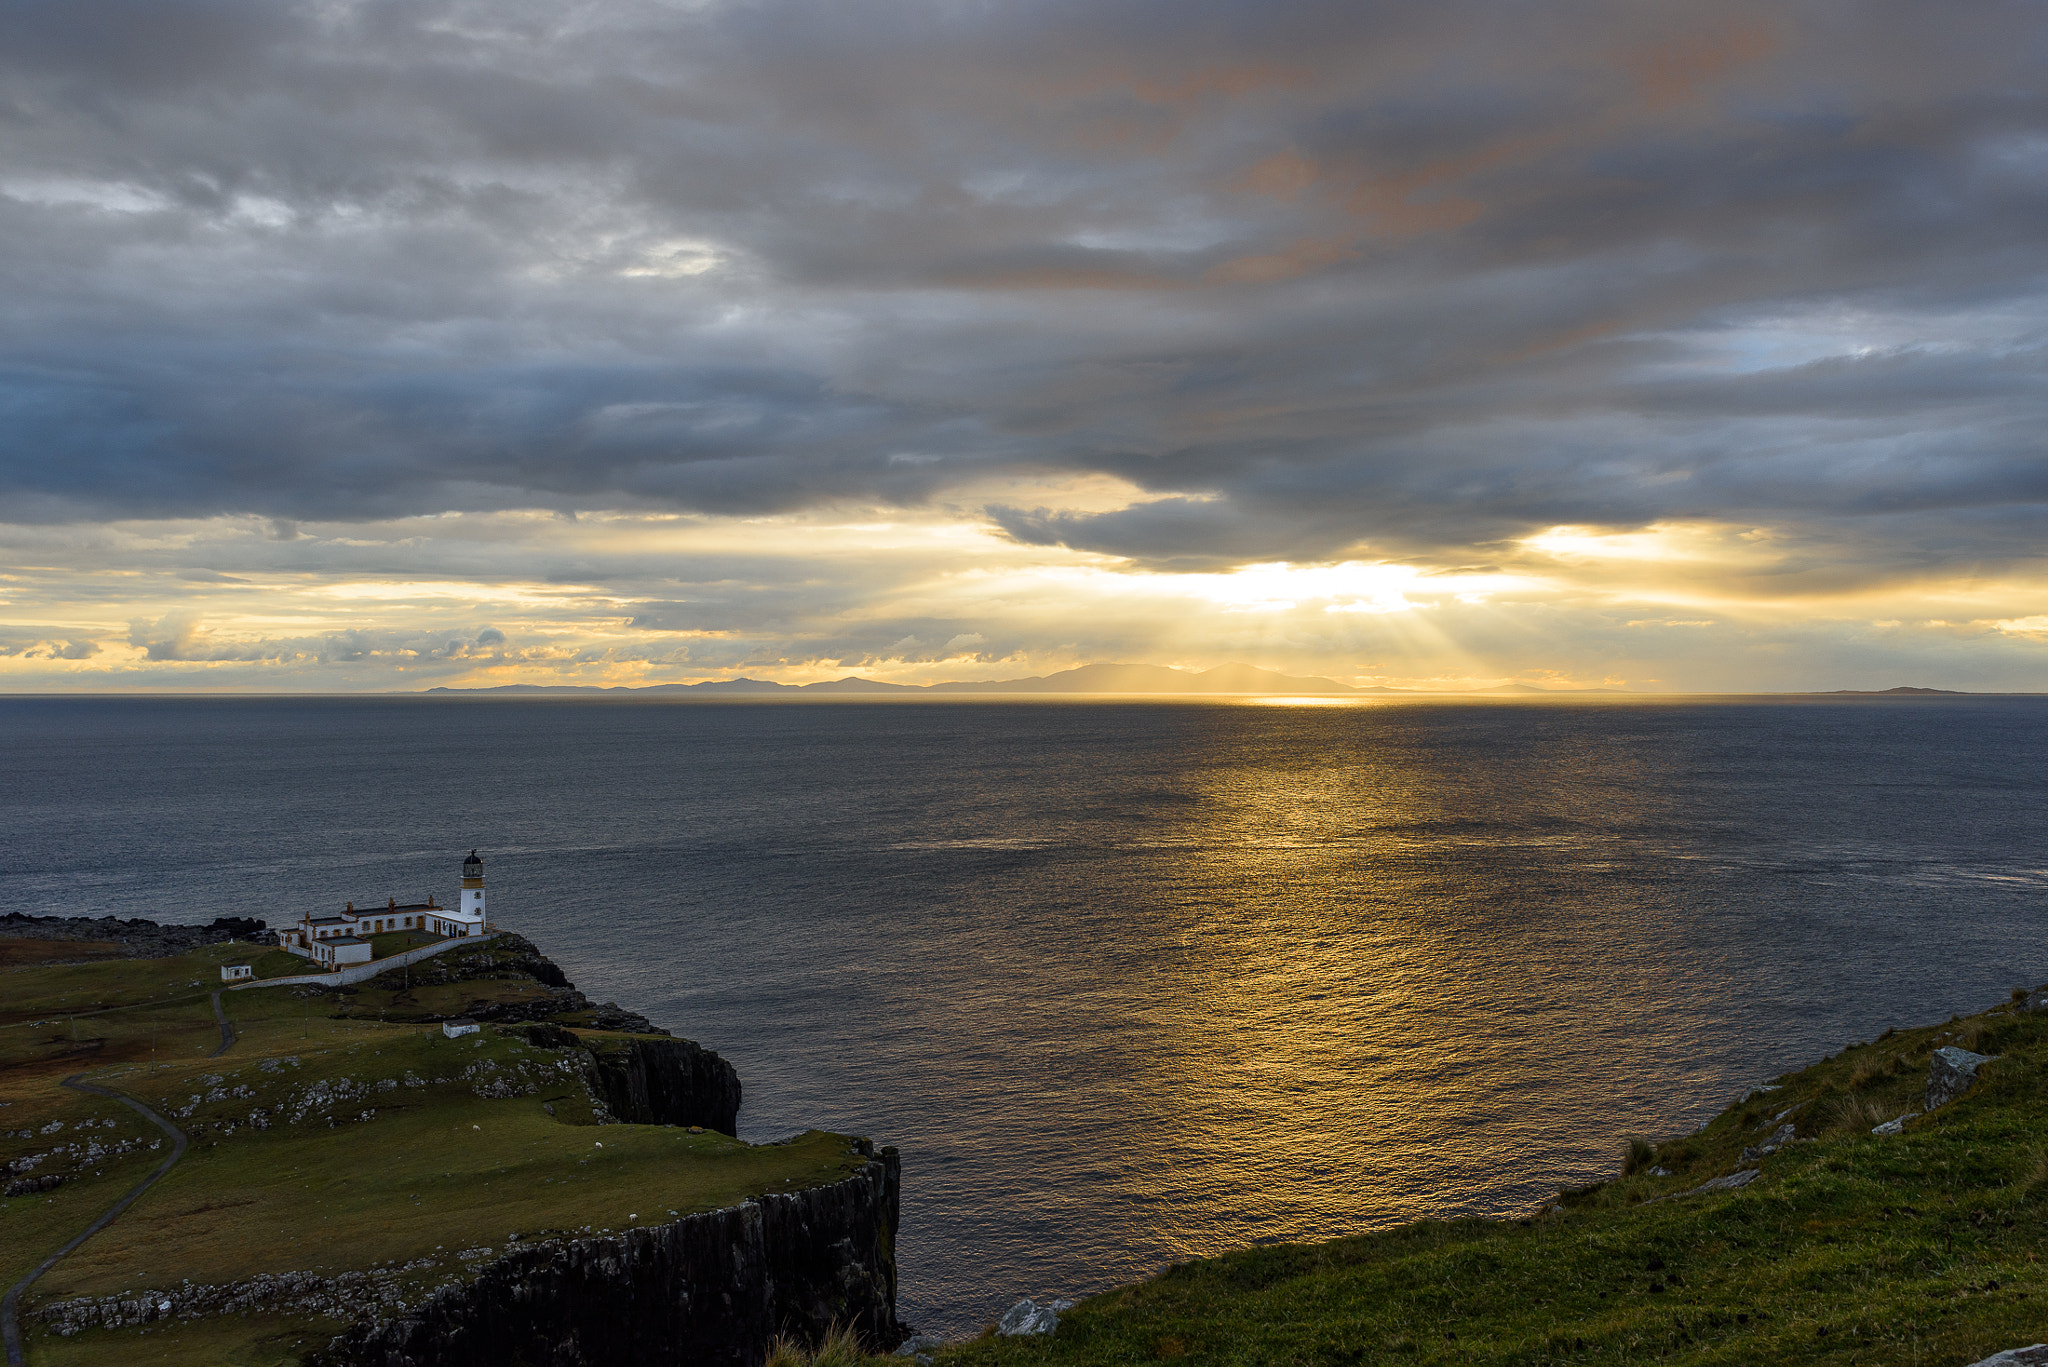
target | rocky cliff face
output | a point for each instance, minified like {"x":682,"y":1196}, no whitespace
{"x":715,"y":1288}
{"x":667,"y":1082}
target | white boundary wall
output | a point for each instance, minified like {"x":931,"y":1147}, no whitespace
{"x":356,"y":973}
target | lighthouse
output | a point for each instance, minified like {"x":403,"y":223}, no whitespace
{"x":472,"y":909}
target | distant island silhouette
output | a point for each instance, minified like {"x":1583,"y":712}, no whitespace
{"x":1096,"y":678}
{"x":1896,"y":692}
{"x":1224,"y":680}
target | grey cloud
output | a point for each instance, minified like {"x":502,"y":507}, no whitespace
{"x":1317,"y":277}
{"x":35,"y":649}
{"x":1184,"y":533}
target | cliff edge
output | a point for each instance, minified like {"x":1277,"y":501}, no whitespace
{"x":351,"y":1184}
{"x":714,"y":1288}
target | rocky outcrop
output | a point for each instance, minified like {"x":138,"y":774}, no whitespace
{"x":340,"y":1295}
{"x":1779,"y":1138}
{"x":143,"y":939}
{"x":511,"y":956}
{"x":2035,"y":1356}
{"x":1950,"y":1074}
{"x":666,"y":1082}
{"x":715,"y":1288}
{"x":658,"y":1080}
{"x":1733,"y":1181}
{"x":1028,"y":1317}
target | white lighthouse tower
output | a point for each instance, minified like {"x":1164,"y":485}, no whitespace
{"x":470,"y":916}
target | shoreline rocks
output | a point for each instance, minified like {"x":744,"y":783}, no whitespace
{"x":144,"y":939}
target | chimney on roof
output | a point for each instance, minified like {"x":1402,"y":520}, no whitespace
{"x":391,"y":905}
{"x":351,"y":906}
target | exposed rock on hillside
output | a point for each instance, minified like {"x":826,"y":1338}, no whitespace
{"x":2036,"y":1356}
{"x":659,"y":1081}
{"x":1950,"y":1074}
{"x":711,"y":1288}
{"x":511,"y":956}
{"x":1028,"y":1317}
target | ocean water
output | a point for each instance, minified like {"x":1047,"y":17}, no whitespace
{"x":1130,"y":982}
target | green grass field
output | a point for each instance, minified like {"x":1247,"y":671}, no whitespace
{"x":325,"y":1140}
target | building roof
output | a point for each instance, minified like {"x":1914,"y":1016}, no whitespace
{"x":344,"y":940}
{"x":365,"y":913}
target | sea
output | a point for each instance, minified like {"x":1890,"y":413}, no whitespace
{"x":1126,"y":981}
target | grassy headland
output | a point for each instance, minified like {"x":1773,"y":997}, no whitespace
{"x":1921,"y":1249}
{"x":341,"y":1134}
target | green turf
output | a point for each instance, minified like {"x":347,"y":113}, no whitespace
{"x":277,"y":963}
{"x":392,"y":942}
{"x":255,"y":1340}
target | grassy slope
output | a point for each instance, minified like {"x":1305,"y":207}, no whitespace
{"x":408,"y":1165}
{"x":1919,"y":1249}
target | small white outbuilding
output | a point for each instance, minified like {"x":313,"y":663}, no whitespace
{"x":235,"y":973}
{"x":461,"y":1025}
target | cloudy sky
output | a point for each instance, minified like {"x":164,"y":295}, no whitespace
{"x":353,"y":344}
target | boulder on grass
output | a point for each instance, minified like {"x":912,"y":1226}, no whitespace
{"x":1028,"y":1317}
{"x":1951,"y":1073}
{"x":2036,"y":1356}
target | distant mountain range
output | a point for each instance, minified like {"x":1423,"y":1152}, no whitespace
{"x":1104,"y":678}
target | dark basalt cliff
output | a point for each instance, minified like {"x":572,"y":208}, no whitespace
{"x":712,"y":1288}
{"x":666,"y":1082}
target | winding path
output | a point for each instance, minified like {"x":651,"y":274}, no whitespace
{"x":227,"y":1029}
{"x":10,"y":1329}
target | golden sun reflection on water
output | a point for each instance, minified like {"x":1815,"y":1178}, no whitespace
{"x":1334,"y":1004}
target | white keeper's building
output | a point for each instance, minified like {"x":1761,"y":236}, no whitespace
{"x":337,"y":939}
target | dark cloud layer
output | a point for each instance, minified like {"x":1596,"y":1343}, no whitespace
{"x":1314,"y":277}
